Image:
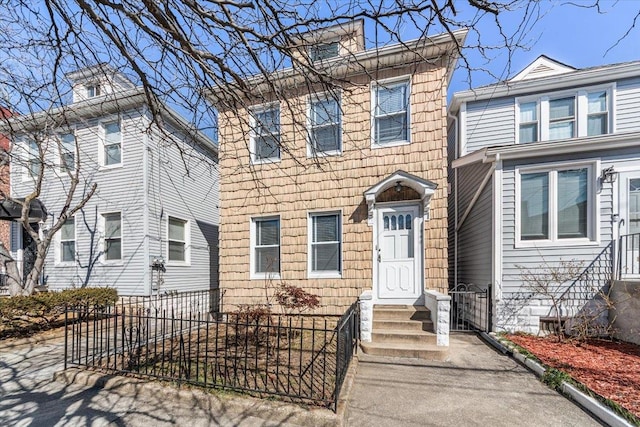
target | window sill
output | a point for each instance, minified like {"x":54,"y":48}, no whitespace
{"x":178,"y":264}
{"x":110,"y":167}
{"x":555,"y":243}
{"x":317,"y":154}
{"x":265,"y":161}
{"x":115,"y":263}
{"x":264,"y":276}
{"x":325,"y":275}
{"x":376,"y":146}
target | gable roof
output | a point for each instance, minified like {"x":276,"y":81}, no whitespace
{"x":543,"y":66}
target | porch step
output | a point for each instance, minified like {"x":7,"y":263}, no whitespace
{"x":415,"y":351}
{"x":405,"y":325}
{"x":402,"y":336}
{"x":401,"y":312}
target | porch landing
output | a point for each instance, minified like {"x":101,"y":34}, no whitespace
{"x":403,"y":331}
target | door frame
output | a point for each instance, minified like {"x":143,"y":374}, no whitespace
{"x":419,"y":256}
{"x":624,"y":176}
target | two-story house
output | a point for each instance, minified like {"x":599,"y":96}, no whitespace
{"x":338,"y":188}
{"x":545,"y":174}
{"x":152,"y":223}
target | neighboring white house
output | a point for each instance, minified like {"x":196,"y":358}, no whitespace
{"x":152,"y":224}
{"x":544,"y":169}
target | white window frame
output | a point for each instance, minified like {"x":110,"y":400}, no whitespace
{"x":59,"y":241}
{"x":93,"y":90}
{"x":406,"y":79}
{"x":252,"y":245}
{"x":61,"y":164}
{"x":103,"y":239}
{"x":311,"y":152}
{"x":28,"y":154}
{"x":102,"y":155}
{"x":252,"y":124}
{"x":187,"y":241}
{"x":581,"y":111}
{"x":593,"y":204}
{"x":323,"y":274}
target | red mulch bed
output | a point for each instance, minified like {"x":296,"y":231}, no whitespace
{"x":609,"y":368}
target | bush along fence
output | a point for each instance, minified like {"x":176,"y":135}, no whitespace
{"x":303,"y":359}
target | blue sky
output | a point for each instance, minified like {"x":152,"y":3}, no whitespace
{"x":577,"y":36}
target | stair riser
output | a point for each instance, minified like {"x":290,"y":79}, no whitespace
{"x":401,"y":315}
{"x":381,"y":337}
{"x":407,"y":325}
{"x":412,"y":353}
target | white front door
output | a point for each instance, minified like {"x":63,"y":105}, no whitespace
{"x":630,"y":214}
{"x":398,"y":255}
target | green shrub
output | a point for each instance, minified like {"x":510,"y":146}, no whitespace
{"x":21,"y":314}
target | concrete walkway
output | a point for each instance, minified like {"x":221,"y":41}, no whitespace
{"x":477,"y":387}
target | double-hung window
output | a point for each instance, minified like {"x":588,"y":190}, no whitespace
{"x":528,"y":122}
{"x":597,"y":113}
{"x":556,"y":205}
{"x":67,"y":152}
{"x":34,"y":163}
{"x":266,"y":134}
{"x":266,"y":246}
{"x":112,"y":236}
{"x":112,"y":144}
{"x":178,"y":239}
{"x":68,"y":241}
{"x":325,"y":242}
{"x":93,"y":90}
{"x":325,"y":128}
{"x":562,"y":118}
{"x":391,"y":113}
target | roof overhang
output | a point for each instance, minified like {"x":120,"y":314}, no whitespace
{"x":11,"y":210}
{"x":550,"y":148}
{"x":423,"y":187}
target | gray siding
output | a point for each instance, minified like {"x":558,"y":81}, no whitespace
{"x":474,"y":236}
{"x":628,"y":105}
{"x":490,"y":123}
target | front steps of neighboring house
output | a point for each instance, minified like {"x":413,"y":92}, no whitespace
{"x":403,"y":331}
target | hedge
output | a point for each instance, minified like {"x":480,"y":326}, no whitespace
{"x":24,"y":314}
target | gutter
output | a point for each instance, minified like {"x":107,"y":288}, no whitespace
{"x":455,"y":200}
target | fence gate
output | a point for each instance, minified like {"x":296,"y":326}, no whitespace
{"x":470,"y":308}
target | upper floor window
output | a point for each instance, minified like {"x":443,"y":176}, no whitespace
{"x":556,"y":204}
{"x":68,"y":241}
{"x":112,"y":144}
{"x":67,"y":152}
{"x":570,"y":115}
{"x":93,"y":90}
{"x":324,"y":51}
{"x":391,"y":113}
{"x":325,"y":127}
{"x":265,"y":139}
{"x":34,"y":163}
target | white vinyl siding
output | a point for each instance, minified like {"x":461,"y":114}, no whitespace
{"x":325,"y":243}
{"x":265,"y":249}
{"x":391,"y":113}
{"x":325,"y":130}
{"x":112,"y":223}
{"x":265,"y":138}
{"x":178,"y":240}
{"x":112,"y":144}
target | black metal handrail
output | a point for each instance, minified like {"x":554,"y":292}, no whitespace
{"x":628,"y":255}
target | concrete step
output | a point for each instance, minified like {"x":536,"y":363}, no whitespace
{"x":422,"y":351}
{"x":401,"y":312}
{"x":405,"y":325}
{"x":401,"y":336}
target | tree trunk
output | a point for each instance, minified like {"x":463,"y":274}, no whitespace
{"x":14,"y":280}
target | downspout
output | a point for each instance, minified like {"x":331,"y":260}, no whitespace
{"x":145,"y":209}
{"x":455,"y":201}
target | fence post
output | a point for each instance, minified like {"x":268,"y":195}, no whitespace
{"x":66,"y":335}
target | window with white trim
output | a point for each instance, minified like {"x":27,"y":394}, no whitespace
{"x":563,"y":116}
{"x":68,"y":241}
{"x":178,"y":239}
{"x":34,"y":163}
{"x":266,"y":245}
{"x":265,"y":139}
{"x":112,"y":223}
{"x":391,"y":113}
{"x":325,"y":125}
{"x":557,"y":204}
{"x":112,"y":144}
{"x":67,"y":152}
{"x":93,"y":90}
{"x":325,"y":243}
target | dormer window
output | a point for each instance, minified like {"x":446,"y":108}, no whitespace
{"x":324,"y":51}
{"x":93,"y":90}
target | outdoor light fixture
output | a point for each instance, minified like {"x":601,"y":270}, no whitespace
{"x":608,"y":175}
{"x":398,"y":187}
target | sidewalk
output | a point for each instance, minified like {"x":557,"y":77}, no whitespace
{"x":477,"y":387}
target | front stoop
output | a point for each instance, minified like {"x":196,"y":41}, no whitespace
{"x":403,"y":331}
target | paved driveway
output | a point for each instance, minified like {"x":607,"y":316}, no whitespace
{"x":477,"y":387}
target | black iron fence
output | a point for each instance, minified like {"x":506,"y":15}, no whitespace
{"x":180,"y":304}
{"x":302,"y":359}
{"x":470,"y":308}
